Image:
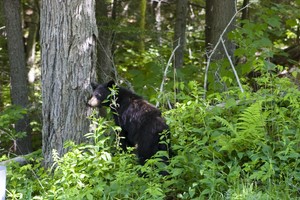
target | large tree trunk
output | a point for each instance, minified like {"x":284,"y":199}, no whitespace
{"x":18,"y":72}
{"x":179,"y":31}
{"x":218,"y":15}
{"x":68,"y":37}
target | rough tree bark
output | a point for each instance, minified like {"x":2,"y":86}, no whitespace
{"x":179,"y":31}
{"x":18,"y":72}
{"x":218,"y":15}
{"x":68,"y":38}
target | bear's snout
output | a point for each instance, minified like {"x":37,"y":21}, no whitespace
{"x":93,"y":102}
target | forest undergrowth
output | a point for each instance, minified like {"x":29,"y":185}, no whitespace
{"x":231,"y":145}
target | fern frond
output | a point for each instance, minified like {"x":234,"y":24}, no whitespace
{"x":252,"y":120}
{"x":229,"y":127}
{"x":250,"y":127}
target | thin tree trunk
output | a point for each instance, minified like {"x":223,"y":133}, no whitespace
{"x":115,"y":8}
{"x":158,"y":20}
{"x":143,"y":6}
{"x":18,"y":72}
{"x":114,"y":14}
{"x":245,"y":12}
{"x":105,"y":70}
{"x":218,"y":15}
{"x":68,"y":38}
{"x":1,"y":91}
{"x":179,"y":31}
{"x":32,"y":16}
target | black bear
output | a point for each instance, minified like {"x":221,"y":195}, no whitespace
{"x":141,"y":122}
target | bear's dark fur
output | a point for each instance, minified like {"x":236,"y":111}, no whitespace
{"x":140,"y":121}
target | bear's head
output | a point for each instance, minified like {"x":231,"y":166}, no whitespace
{"x":100,"y":94}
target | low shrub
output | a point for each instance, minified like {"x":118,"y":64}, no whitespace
{"x":230,"y":146}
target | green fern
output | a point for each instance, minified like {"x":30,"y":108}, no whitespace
{"x":228,"y":126}
{"x":251,"y":127}
{"x":252,"y":120}
{"x":224,"y":140}
{"x":247,"y":133}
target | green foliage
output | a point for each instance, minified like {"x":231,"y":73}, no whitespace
{"x":8,"y":117}
{"x":239,"y":141}
{"x":244,"y":149}
{"x":145,"y":70}
{"x":260,"y":38}
{"x":255,"y":45}
{"x":248,"y":131}
{"x":230,"y":146}
{"x":89,"y":171}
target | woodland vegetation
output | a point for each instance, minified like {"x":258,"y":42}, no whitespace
{"x":224,"y":73}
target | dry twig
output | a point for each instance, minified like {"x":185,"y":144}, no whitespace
{"x":166,"y":72}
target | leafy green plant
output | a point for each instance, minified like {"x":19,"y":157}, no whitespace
{"x":241,"y":149}
{"x":248,"y":132}
{"x":8,"y":117}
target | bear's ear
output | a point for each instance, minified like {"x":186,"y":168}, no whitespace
{"x":110,"y":84}
{"x":94,"y":85}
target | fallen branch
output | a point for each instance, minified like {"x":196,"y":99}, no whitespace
{"x":22,"y":160}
